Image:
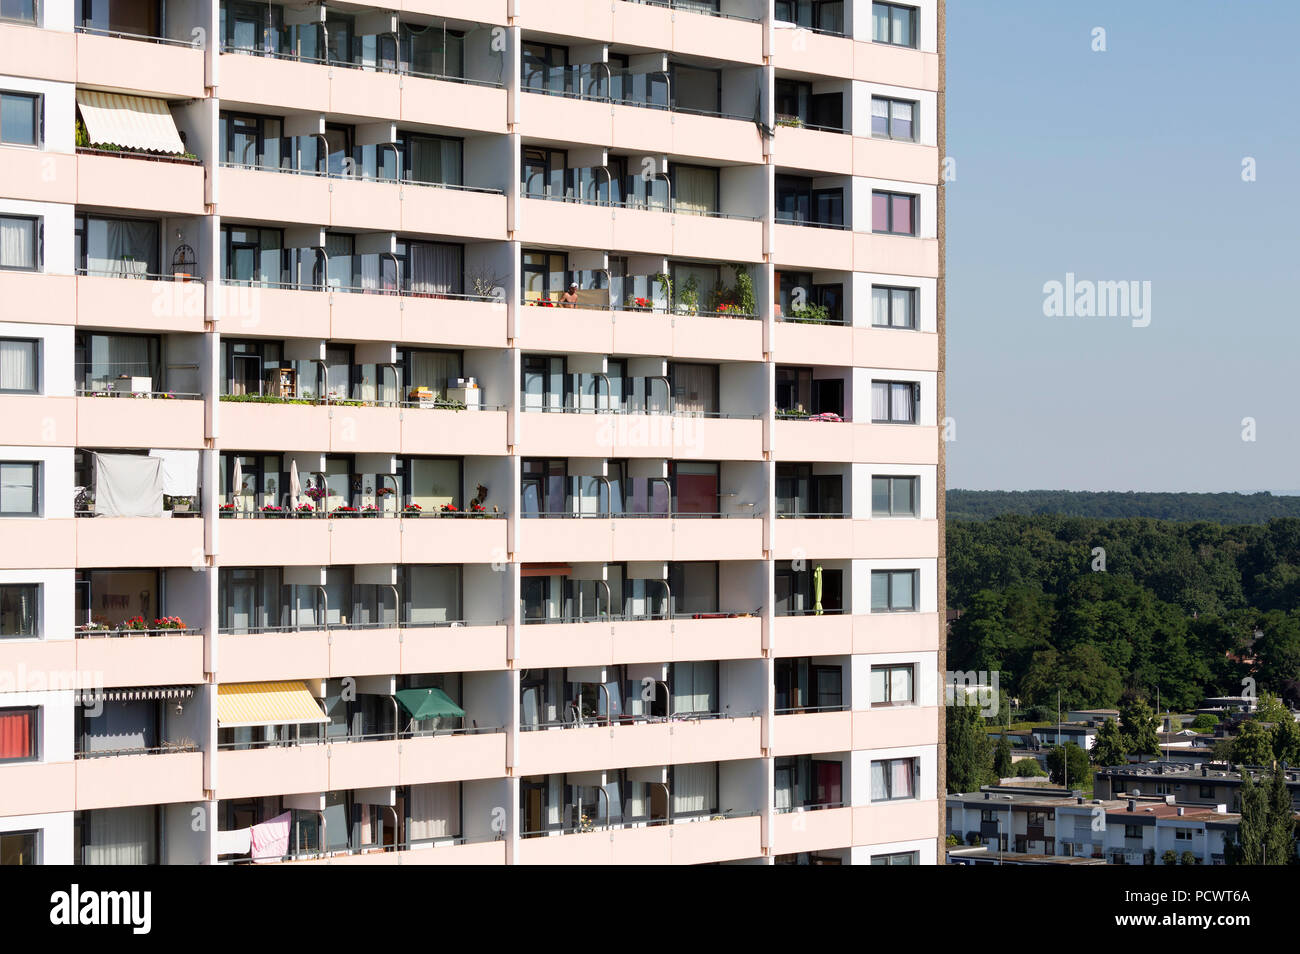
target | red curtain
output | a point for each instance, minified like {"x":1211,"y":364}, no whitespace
{"x":829,"y":780}
{"x":697,"y":493}
{"x":16,"y":735}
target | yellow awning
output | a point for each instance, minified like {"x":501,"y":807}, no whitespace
{"x":131,"y":122}
{"x":266,"y":703}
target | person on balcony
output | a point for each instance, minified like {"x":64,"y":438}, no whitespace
{"x":570,"y":298}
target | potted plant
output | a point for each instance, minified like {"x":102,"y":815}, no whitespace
{"x":343,"y":510}
{"x":271,"y":510}
{"x":226,"y":510}
{"x":305,"y":510}
{"x":413,"y":510}
{"x":449,"y":509}
{"x":169,"y":622}
{"x":180,"y":504}
{"x":370,"y":510}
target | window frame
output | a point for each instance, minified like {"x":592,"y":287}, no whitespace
{"x":916,"y":403}
{"x":889,"y":591}
{"x":37,"y":495}
{"x":35,"y":834}
{"x":890,"y":102}
{"x":890,"y":702}
{"x":914,"y":200}
{"x":913,"y":295}
{"x":38,"y":118}
{"x":38,"y":242}
{"x":889,"y":780}
{"x":914,"y":18}
{"x":37,"y":354}
{"x":35,"y":737}
{"x":35,"y":18}
{"x":916,"y":487}
{"x":37,"y":616}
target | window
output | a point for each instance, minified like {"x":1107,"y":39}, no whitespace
{"x":20,"y":489}
{"x":894,"y":496}
{"x":824,"y":15}
{"x":893,"y":307}
{"x":893,"y":591}
{"x":898,"y":858}
{"x":20,"y":366}
{"x":893,"y":779}
{"x":118,"y":248}
{"x":255,"y":141}
{"x":894,"y":402}
{"x":893,"y":685}
{"x":893,"y":24}
{"x":20,"y":119}
{"x":894,"y":118}
{"x":19,"y":610}
{"x":1182,"y":834}
{"x":22,"y":10}
{"x":894,"y":213}
{"x":1133,"y":831}
{"x":18,"y":735}
{"x":20,"y":242}
{"x":1207,"y":791}
{"x":20,"y":848}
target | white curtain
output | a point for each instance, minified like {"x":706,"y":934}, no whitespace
{"x":121,"y":247}
{"x":180,"y":471}
{"x":17,"y":365}
{"x":694,"y":788}
{"x":697,"y":189}
{"x":122,"y":836}
{"x":17,"y":243}
{"x":435,"y":269}
{"x":879,"y":792}
{"x":370,"y":272}
{"x":902,"y":409}
{"x":128,"y":485}
{"x":879,"y":401}
{"x":434,"y":811}
{"x":880,"y":307}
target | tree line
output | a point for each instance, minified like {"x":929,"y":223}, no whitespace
{"x":1109,"y":505}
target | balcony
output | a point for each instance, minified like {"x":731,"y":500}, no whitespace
{"x":830,"y":634}
{"x":799,"y":342}
{"x":592,"y":747}
{"x":333,"y":766}
{"x":639,"y":435}
{"x":167,"y":67}
{"x":805,"y":439}
{"x":116,"y":780}
{"x":156,"y":419}
{"x":246,"y":537}
{"x":273,"y":424}
{"x":829,"y":248}
{"x":349,"y":202}
{"x":38,"y":53}
{"x":338,"y":651}
{"x":895,"y":66}
{"x":139,"y":541}
{"x":824,"y":535}
{"x":805,"y":730}
{"x":616,"y":331}
{"x":639,"y":537}
{"x":139,"y":181}
{"x":797,"y":830}
{"x":338,"y":88}
{"x":817,"y":52}
{"x":139,"y":304}
{"x":461,"y":853}
{"x":582,"y":224}
{"x":160,"y":657}
{"x":725,"y":837}
{"x":814,"y":148}
{"x":617,"y":641}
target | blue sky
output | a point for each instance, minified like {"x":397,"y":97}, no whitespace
{"x":1124,"y":165}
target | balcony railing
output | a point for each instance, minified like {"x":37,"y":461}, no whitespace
{"x":323,"y":627}
{"x":159,"y":395}
{"x":674,"y":818}
{"x":790,"y":121}
{"x":579,"y":720}
{"x":315,"y":854}
{"x":312,"y":511}
{"x":805,"y":710}
{"x":381,"y":180}
{"x":392,"y":736}
{"x":167,"y":748}
{"x":635,"y":617}
{"x":808,"y":807}
{"x":103,"y":630}
{"x":143,"y":37}
{"x":693,"y":6}
{"x":401,"y":69}
{"x":127,"y":272}
{"x":641,"y":205}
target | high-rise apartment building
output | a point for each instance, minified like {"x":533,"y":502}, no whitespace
{"x":493,"y":432}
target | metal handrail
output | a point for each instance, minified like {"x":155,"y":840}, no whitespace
{"x":178,"y":395}
{"x":145,"y":37}
{"x":348,"y":64}
{"x":164,"y":749}
{"x":804,"y":710}
{"x":393,"y":736}
{"x":343,"y":627}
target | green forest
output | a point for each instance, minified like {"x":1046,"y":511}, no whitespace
{"x":1214,"y":508}
{"x":1190,"y":608}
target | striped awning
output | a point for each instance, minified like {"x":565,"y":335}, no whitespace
{"x":266,"y":703}
{"x":89,"y":697}
{"x":131,"y":122}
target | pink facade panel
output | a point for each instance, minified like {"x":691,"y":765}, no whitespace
{"x":426,"y":431}
{"x":134,"y":305}
{"x":142,"y":660}
{"x":895,"y":444}
{"x":895,"y":821}
{"x":717,"y":339}
{"x":40,"y":54}
{"x":447,"y":758}
{"x":901,"y":161}
{"x":459,"y":212}
{"x":798,"y":831}
{"x":453,"y":105}
{"x":895,"y":255}
{"x":881,"y":63}
{"x":825,"y":635}
{"x":706,"y":236}
{"x":30,"y":788}
{"x":894,"y":726}
{"x":812,"y":732}
{"x":813,"y":440}
{"x":365,"y":652}
{"x":452,"y":648}
{"x":365,"y":430}
{"x":139,"y":541}
{"x":251,"y":542}
{"x":139,"y":422}
{"x":107,"y":62}
{"x":723,"y":839}
{"x":818,"y":54}
{"x":261,"y":196}
{"x":279,"y":770}
{"x":815,"y":150}
{"x":736,"y":637}
{"x":883,"y":348}
{"x":798,"y":343}
{"x":451,"y":321}
{"x":262,"y":657}
{"x":445,"y":540}
{"x":896,"y":632}
{"x":808,"y":247}
{"x":271,"y":312}
{"x":34,"y":174}
{"x":252,"y":426}
{"x":119,"y":780}
{"x":48,"y":544}
{"x":819,"y":539}
{"x":147,"y":184}
{"x":884,"y":539}
{"x":266,"y":81}
{"x":38,"y":299}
